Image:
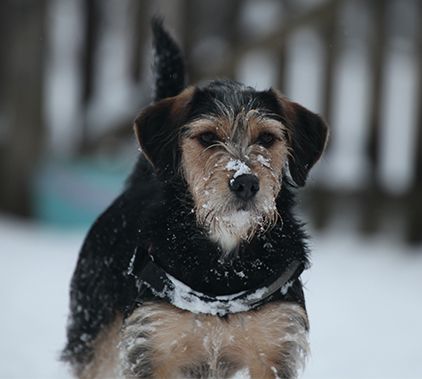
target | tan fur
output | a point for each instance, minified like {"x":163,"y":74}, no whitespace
{"x":208,"y":177}
{"x":106,"y":362}
{"x":177,"y":343}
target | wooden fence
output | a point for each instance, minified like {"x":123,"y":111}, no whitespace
{"x":191,"y":19}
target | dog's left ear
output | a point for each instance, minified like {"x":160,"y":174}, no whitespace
{"x":157,"y":130}
{"x":308,"y":134}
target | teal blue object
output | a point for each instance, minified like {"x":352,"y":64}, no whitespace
{"x":74,"y":193}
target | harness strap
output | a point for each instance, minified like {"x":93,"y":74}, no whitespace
{"x":165,"y":286}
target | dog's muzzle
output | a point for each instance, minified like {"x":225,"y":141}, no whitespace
{"x":244,"y":186}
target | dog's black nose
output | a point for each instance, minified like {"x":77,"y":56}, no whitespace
{"x":245,"y":186}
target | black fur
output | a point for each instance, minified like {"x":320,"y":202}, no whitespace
{"x":309,"y":136}
{"x":208,"y":99}
{"x":169,"y":67}
{"x":157,"y":133}
{"x":154,"y":215}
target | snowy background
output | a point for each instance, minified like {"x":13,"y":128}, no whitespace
{"x":363,"y":292}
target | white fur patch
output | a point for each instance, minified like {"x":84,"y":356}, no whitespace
{"x":229,"y":230}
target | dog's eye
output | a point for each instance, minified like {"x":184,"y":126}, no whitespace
{"x":208,"y":138}
{"x":266,"y":139}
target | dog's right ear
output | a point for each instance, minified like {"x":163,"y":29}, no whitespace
{"x":157,"y":130}
{"x":307,"y":137}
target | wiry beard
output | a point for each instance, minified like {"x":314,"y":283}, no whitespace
{"x":227,"y":219}
{"x":228,"y":224}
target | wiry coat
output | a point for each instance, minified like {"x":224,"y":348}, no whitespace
{"x":154,"y":216}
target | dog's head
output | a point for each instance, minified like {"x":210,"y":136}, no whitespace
{"x":231,"y":145}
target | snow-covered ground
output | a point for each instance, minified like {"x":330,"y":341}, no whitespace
{"x":365,"y":308}
{"x":35,"y":267}
{"x":364,"y":302}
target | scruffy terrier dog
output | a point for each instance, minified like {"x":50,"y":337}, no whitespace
{"x":194,"y":270}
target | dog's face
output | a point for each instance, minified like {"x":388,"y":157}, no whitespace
{"x":232,"y":145}
{"x":233,"y":164}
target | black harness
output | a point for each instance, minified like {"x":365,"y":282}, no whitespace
{"x":160,"y":284}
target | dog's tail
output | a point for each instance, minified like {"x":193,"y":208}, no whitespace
{"x":169,"y":66}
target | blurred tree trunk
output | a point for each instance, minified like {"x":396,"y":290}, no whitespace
{"x":23,"y":42}
{"x":229,"y":30}
{"x":330,"y":34}
{"x":289,"y":9}
{"x":91,"y":15}
{"x":414,"y":206}
{"x":189,"y":27}
{"x":378,"y":47}
{"x":140,"y":11}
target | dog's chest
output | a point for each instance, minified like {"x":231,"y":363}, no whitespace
{"x":159,"y":340}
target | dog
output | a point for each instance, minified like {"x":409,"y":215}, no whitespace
{"x":194,"y":270}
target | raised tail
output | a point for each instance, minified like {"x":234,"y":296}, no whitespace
{"x":169,"y":66}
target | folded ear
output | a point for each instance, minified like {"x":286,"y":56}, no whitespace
{"x":308,"y":134}
{"x":154,"y":131}
{"x":157,"y":130}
